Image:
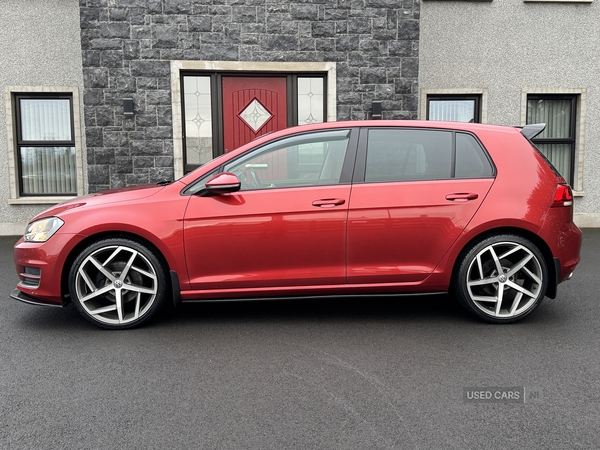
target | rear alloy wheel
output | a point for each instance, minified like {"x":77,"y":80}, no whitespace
{"x":502,"y":278}
{"x":117,"y":283}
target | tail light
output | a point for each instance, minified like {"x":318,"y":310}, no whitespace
{"x":563,"y":196}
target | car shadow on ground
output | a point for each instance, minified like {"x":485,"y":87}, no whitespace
{"x":423,"y":308}
{"x":401,"y":309}
{"x":419,"y":309}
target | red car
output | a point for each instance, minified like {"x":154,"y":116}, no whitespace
{"x":332,"y":209}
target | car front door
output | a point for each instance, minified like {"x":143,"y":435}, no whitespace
{"x":287,"y":224}
{"x":415,"y":191}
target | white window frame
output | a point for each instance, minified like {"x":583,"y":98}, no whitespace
{"x":13,"y":164}
{"x":579,"y":127}
{"x":454,"y":91}
{"x":233,"y":66}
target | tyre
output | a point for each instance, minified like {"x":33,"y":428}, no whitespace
{"x":117,"y":283}
{"x":501,"y":279}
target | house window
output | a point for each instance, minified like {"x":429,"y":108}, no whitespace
{"x":454,"y":108}
{"x":557,"y":141}
{"x":45,"y":144}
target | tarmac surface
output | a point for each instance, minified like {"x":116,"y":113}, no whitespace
{"x":405,"y":373}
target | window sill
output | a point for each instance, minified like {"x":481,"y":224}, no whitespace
{"x":558,"y":1}
{"x":38,"y":200}
{"x":578,"y":194}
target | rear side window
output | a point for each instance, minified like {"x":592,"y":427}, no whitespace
{"x":404,"y":155}
{"x":408,"y":155}
{"x":471,"y":160}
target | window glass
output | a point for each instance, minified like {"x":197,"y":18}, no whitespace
{"x":46,"y":119}
{"x":310,"y":100}
{"x":555,"y":113}
{"x":198,"y":119}
{"x":303,"y":160}
{"x":48,"y":170}
{"x":557,"y":141}
{"x":560,"y":157}
{"x":46,"y":145}
{"x":452,"y":110}
{"x":404,"y":154}
{"x":471,"y":161}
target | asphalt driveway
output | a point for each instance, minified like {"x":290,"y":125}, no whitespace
{"x":407,"y":373}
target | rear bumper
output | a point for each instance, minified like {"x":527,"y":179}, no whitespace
{"x":567,"y":250}
{"x":564,"y":240}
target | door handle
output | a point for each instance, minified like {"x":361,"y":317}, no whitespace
{"x":328,"y":202}
{"x":461,"y":197}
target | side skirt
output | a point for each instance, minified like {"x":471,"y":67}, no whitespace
{"x":313,"y":297}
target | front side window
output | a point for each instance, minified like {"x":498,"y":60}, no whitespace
{"x":303,"y":160}
{"x":46,"y":153}
{"x":454,"y":108}
{"x":557,"y":141}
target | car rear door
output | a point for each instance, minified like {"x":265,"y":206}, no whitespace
{"x":415,"y":191}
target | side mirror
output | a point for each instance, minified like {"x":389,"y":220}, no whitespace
{"x":222,"y":183}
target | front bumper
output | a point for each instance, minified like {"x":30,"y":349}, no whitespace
{"x":40,"y":269}
{"x":22,"y":297}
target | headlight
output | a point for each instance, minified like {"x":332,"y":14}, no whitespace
{"x":42,"y":230}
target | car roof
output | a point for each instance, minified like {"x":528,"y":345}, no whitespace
{"x":467,"y":126}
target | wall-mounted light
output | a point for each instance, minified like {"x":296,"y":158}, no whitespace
{"x":376,"y":110}
{"x":128,"y":106}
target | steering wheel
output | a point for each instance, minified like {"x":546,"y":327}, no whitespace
{"x":255,"y":178}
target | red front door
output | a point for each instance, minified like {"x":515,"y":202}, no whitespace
{"x":252,"y":106}
{"x":267,"y":239}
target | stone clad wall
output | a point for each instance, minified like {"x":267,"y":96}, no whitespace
{"x":128,"y":45}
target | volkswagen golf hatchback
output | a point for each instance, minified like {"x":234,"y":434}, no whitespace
{"x":332,"y":209}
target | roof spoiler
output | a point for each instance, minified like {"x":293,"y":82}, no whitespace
{"x":532,"y":130}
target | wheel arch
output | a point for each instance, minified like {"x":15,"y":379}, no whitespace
{"x":78,"y":248}
{"x":531,"y":236}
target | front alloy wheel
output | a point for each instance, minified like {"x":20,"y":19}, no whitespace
{"x":502,"y":278}
{"x":117,"y":283}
